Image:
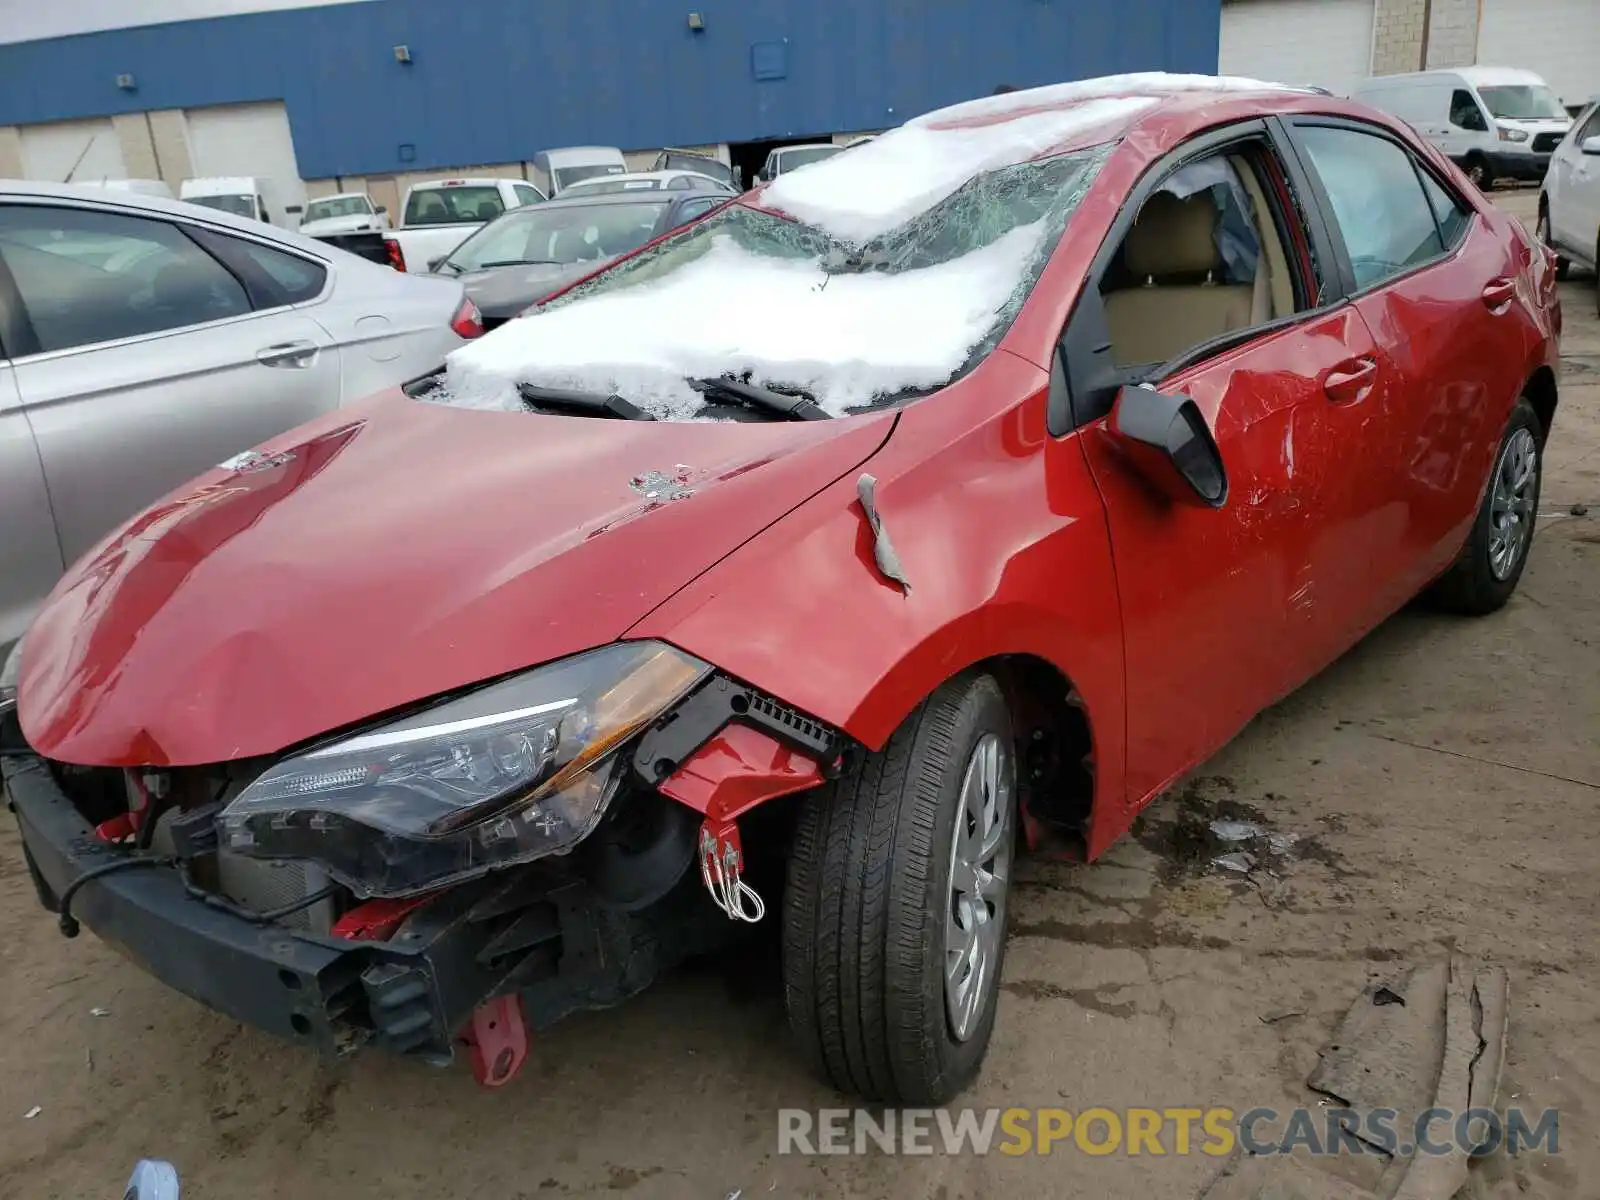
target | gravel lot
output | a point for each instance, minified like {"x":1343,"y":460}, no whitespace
{"x":1443,"y":780}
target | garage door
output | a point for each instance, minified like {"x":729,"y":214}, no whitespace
{"x":1325,"y":43}
{"x":1560,"y":39}
{"x":248,"y":139}
{"x":72,"y":151}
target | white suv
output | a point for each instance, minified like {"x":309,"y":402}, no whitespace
{"x":1569,"y":203}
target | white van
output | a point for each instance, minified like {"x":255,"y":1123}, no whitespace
{"x":139,"y":187}
{"x":1494,"y":122}
{"x":236,"y":194}
{"x":565,"y":166}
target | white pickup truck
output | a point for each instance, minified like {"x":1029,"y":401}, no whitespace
{"x":437,"y":217}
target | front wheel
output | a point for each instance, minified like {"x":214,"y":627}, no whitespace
{"x":895,"y":914}
{"x":1478,"y":170}
{"x":1484,"y":576}
{"x":1545,"y":240}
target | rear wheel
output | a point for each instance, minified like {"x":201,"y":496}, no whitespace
{"x":895,"y":913}
{"x":1484,"y":576}
{"x":1543,"y":233}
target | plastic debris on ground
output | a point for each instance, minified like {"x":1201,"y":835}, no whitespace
{"x":99,"y":1012}
{"x":32,"y":1113}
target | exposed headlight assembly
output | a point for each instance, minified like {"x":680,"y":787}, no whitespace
{"x":511,"y":772}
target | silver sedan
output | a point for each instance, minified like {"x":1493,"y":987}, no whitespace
{"x":143,"y":341}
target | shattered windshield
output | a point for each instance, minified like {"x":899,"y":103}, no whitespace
{"x":787,"y":306}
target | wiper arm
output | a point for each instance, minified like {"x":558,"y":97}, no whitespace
{"x":522,"y":262}
{"x":793,"y":408}
{"x":593,"y":404}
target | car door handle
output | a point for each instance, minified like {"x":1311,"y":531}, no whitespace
{"x":288,"y":354}
{"x":1350,"y":380}
{"x":1499,"y":293}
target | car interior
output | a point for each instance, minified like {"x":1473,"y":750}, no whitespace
{"x":1203,"y":258}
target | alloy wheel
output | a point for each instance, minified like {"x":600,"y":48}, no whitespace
{"x":1516,"y":483}
{"x":980,"y":869}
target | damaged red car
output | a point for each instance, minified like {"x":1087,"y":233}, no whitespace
{"x":936,"y":503}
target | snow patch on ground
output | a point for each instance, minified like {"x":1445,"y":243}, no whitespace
{"x":876,"y":187}
{"x":844,"y":339}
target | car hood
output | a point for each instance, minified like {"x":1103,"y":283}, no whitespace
{"x":391,"y":552}
{"x":355,"y":223}
{"x":1537,"y":124}
{"x":503,"y":292}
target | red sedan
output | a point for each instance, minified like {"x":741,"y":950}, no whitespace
{"x":945,"y":499}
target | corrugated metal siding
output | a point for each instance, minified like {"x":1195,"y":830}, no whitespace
{"x":497,"y":80}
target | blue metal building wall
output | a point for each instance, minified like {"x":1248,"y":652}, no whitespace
{"x":498,"y":80}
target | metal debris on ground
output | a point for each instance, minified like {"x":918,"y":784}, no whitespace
{"x":1282,"y":843}
{"x":99,"y":1012}
{"x":1235,"y":831}
{"x":1239,"y":862}
{"x":1280,"y":1014}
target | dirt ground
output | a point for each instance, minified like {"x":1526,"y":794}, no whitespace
{"x":1443,"y":778}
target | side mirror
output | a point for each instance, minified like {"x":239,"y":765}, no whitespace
{"x":294,"y":209}
{"x":383,"y":209}
{"x":435,"y":263}
{"x":1168,"y":441}
{"x":1590,"y":145}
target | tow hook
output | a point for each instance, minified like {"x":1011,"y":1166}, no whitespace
{"x":721,"y":868}
{"x":498,"y":1038}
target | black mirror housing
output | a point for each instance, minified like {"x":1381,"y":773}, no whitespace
{"x":1167,"y":439}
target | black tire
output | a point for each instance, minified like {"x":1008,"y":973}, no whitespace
{"x":1472,"y":586}
{"x":1543,"y":234}
{"x":1479,"y":171}
{"x":868,"y":898}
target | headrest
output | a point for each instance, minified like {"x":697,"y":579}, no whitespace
{"x":1173,"y":237}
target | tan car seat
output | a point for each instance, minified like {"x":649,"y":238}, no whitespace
{"x":1172,"y":250}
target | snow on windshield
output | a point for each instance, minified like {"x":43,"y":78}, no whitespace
{"x":877,"y":186}
{"x":795,"y":305}
{"x":842,"y":338}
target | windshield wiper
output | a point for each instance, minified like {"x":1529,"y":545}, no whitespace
{"x":520,"y":262}
{"x":593,"y":404}
{"x":794,"y":408}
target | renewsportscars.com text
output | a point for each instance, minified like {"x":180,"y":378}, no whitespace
{"x":1162,"y":1131}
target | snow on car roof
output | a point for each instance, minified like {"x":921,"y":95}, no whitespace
{"x":876,"y":186}
{"x":867,"y":190}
